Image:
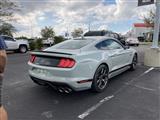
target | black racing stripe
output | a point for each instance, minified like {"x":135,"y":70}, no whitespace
{"x":119,"y":68}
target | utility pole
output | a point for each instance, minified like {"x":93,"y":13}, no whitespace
{"x":156,"y":26}
{"x":89,"y":26}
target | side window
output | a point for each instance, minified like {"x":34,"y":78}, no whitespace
{"x":114,"y":45}
{"x":103,"y":44}
{"x":8,"y":38}
{"x":108,"y":44}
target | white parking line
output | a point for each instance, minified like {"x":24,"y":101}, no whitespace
{"x":93,"y":108}
{"x":145,"y":88}
{"x":147,"y":71}
{"x":150,"y":69}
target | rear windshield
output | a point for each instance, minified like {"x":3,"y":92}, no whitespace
{"x":94,"y":33}
{"x":72,"y":44}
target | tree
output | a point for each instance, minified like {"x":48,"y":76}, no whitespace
{"x":149,"y":18}
{"x":47,"y":32}
{"x":22,"y":37}
{"x":7,"y":9}
{"x":7,"y":29}
{"x":77,"y":32}
{"x":39,"y":44}
{"x":58,"y":39}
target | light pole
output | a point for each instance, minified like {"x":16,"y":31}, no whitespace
{"x":156,"y":26}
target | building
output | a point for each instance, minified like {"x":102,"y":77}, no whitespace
{"x":140,"y":29}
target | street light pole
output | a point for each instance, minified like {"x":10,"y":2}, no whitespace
{"x":156,"y":26}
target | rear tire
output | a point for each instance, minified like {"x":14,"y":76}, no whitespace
{"x":134,"y":62}
{"x":23,"y":49}
{"x":100,"y":79}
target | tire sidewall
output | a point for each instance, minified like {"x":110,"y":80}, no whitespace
{"x":133,"y":67}
{"x":94,"y":86}
{"x":22,"y":47}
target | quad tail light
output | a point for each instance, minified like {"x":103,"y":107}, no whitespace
{"x":66,"y":63}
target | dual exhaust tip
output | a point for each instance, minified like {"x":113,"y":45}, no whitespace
{"x":64,"y":90}
{"x":61,"y":89}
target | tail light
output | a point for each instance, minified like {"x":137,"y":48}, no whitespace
{"x":66,"y":63}
{"x":32,"y":58}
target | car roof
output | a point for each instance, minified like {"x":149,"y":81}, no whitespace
{"x":99,"y":38}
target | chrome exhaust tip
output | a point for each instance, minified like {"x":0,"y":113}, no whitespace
{"x":60,"y":90}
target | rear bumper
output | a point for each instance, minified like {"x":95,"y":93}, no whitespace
{"x":78,"y":78}
{"x":76,"y":84}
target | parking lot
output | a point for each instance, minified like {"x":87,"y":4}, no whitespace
{"x":133,"y":95}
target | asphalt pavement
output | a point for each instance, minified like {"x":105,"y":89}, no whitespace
{"x":133,"y":95}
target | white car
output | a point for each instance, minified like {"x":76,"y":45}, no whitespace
{"x":81,"y":64}
{"x":132,"y":41}
{"x":16,"y":45}
{"x":49,"y":41}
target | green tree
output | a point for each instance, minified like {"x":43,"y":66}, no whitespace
{"x":7,"y":8}
{"x":47,"y":32}
{"x":77,"y":32}
{"x":58,"y":39}
{"x":22,"y":37}
{"x":39,"y":44}
{"x":7,"y":29}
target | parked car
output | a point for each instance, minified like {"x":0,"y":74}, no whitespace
{"x":48,"y":42}
{"x":132,"y":41}
{"x":105,"y":33}
{"x":86,"y":63}
{"x":16,"y":45}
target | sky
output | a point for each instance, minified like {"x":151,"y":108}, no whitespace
{"x":67,"y":15}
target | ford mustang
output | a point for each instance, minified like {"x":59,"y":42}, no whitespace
{"x":82,"y":63}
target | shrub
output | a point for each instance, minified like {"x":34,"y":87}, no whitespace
{"x":39,"y":44}
{"x":58,"y":39}
{"x":32,"y":45}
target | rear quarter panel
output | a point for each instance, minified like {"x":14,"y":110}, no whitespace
{"x":89,"y":61}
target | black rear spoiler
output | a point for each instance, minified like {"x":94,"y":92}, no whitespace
{"x":54,"y":52}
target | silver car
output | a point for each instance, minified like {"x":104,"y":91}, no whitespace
{"x":81,"y":63}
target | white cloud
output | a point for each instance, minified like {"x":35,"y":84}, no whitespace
{"x":73,"y":14}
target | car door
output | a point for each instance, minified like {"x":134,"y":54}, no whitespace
{"x":110,"y":53}
{"x":120,"y":56}
{"x":10,"y":42}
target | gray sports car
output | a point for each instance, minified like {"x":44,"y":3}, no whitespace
{"x":81,"y":63}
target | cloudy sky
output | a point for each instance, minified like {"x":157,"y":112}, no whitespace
{"x":63,"y":15}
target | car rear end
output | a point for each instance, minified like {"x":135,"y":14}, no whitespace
{"x":132,"y":41}
{"x":65,"y":71}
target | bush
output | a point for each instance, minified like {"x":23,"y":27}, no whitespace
{"x":32,"y":45}
{"x":36,"y":44}
{"x":58,"y":39}
{"x":39,"y":44}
